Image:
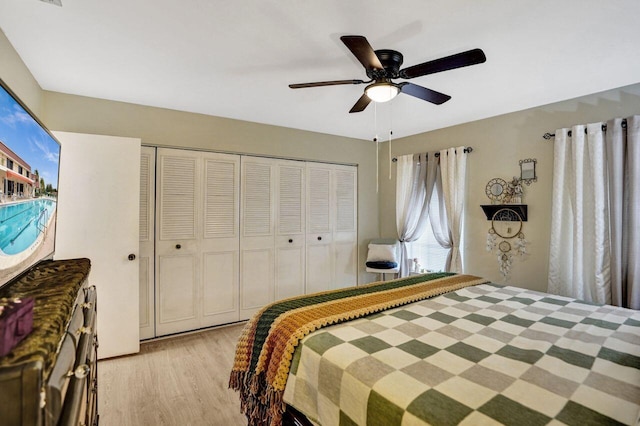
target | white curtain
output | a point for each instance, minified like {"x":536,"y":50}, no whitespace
{"x":623,"y":161}
{"x":453,"y":169}
{"x":415,"y":179}
{"x":440,"y":227}
{"x":594,"y":219}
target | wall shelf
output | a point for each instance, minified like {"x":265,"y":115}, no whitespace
{"x":491,"y":209}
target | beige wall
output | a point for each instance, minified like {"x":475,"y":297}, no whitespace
{"x":16,"y":75}
{"x":498,"y":145}
{"x":163,"y":127}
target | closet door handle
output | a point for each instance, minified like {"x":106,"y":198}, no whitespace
{"x":319,"y":238}
{"x":178,"y":246}
{"x":290,"y":240}
{"x":132,"y":257}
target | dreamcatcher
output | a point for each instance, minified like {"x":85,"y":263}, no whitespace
{"x":506,"y":224}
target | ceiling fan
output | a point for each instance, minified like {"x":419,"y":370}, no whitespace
{"x":384,"y":65}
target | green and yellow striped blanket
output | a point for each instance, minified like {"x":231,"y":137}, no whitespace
{"x":266,"y":346}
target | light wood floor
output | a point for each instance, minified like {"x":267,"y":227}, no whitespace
{"x":176,"y":381}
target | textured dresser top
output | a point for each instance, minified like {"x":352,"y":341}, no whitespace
{"x":54,"y":285}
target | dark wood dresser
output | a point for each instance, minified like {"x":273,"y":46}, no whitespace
{"x":50,"y":377}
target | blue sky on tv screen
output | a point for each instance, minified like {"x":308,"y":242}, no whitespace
{"x":24,"y":136}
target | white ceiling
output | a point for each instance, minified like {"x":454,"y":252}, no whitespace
{"x":235,"y":58}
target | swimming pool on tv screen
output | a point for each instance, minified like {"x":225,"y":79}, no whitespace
{"x":22,"y":223}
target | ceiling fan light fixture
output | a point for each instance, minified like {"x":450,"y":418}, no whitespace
{"x":382,"y":91}
{"x":383,"y":66}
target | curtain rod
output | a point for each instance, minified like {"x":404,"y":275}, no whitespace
{"x":466,"y":150}
{"x":548,"y":136}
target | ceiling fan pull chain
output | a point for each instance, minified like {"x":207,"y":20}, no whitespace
{"x":375,"y":119}
{"x":390,"y":135}
{"x":375,"y":140}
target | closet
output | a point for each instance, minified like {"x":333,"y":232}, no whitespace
{"x":196,"y":240}
{"x":272,"y":235}
{"x":147,"y":242}
{"x":225,"y":234}
{"x":331,"y":227}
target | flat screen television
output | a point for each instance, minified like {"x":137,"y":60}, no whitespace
{"x":29,"y":169}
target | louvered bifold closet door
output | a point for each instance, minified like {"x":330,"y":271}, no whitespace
{"x":257,"y":234}
{"x":197,"y":242}
{"x":290,"y":229}
{"x":220,"y":248}
{"x":319,"y":234}
{"x":147,"y":238}
{"x":345,"y":233}
{"x":177,"y":246}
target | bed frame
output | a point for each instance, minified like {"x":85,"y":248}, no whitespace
{"x":293,"y":417}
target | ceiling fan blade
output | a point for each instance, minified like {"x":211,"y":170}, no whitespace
{"x":362,"y":50}
{"x":362,"y":103}
{"x":423,"y":93}
{"x":324,"y":83}
{"x":459,"y":60}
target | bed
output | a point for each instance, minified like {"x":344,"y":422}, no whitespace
{"x":439,"y":349}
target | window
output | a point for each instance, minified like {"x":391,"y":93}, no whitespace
{"x":9,"y":164}
{"x":19,"y":170}
{"x":430,"y":255}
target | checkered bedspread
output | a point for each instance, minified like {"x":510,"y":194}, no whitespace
{"x":480,"y":355}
